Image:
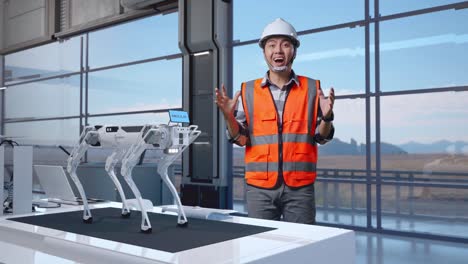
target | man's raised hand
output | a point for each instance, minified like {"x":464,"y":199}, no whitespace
{"x":326,"y":104}
{"x":226,"y":104}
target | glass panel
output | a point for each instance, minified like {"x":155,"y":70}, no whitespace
{"x":439,"y":211}
{"x":44,"y":61}
{"x":147,"y":86}
{"x":145,"y":38}
{"x":52,"y":155}
{"x":341,"y":203}
{"x":43,"y":155}
{"x":50,"y":133}
{"x":250,"y":17}
{"x":338,"y":64}
{"x":426,"y":142}
{"x":416,"y":53}
{"x":248,"y":64}
{"x":347,"y":150}
{"x":425,"y":132}
{"x":388,"y":7}
{"x":238,"y":190}
{"x":50,"y":98}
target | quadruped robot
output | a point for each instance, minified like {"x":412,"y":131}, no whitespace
{"x":128,"y":144}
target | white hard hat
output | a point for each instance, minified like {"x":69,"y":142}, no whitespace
{"x":279,"y":27}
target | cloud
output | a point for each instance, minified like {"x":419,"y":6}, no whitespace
{"x":347,"y":52}
{"x":425,"y":117}
{"x":386,"y":46}
{"x":419,"y":108}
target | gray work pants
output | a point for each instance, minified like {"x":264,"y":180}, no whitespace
{"x":295,"y":205}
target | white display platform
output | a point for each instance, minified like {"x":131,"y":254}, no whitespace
{"x":289,"y":243}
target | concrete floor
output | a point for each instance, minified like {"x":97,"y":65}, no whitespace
{"x":372,"y":248}
{"x":385,"y":249}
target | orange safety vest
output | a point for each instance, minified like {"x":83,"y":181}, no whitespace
{"x":286,"y":149}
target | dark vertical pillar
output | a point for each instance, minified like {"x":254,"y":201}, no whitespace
{"x":2,"y":94}
{"x":205,"y":34}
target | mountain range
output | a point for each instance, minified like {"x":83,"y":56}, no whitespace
{"x":441,"y":146}
{"x":339,"y":147}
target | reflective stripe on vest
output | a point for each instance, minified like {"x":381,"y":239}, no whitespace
{"x":299,"y":155}
{"x":287,"y":166}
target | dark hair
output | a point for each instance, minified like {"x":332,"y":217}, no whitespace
{"x":291,"y":39}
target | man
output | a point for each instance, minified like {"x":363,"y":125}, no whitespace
{"x":280,"y":120}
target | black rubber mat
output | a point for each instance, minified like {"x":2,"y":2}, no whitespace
{"x":166,"y":235}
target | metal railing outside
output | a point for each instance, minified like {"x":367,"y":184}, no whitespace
{"x":329,"y":182}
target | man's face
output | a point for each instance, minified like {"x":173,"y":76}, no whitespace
{"x":278,"y":51}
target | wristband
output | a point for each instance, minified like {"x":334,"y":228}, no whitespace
{"x":327,"y":120}
{"x":234,"y":139}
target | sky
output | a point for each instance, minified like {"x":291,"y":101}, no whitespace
{"x":419,"y":52}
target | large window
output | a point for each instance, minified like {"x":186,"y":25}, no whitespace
{"x":49,"y":98}
{"x":52,"y":59}
{"x":339,"y":64}
{"x":138,"y":40}
{"x":429,"y":131}
{"x":50,"y":132}
{"x":50,"y":138}
{"x":417,"y":52}
{"x":341,"y":203}
{"x":46,"y":84}
{"x":250,"y":17}
{"x":140,"y":87}
{"x":348,"y":148}
{"x":413,"y":176}
{"x":430,"y":123}
{"x":388,"y":7}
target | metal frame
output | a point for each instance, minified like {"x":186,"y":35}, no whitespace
{"x":80,"y":125}
{"x":378,"y":190}
{"x":86,"y":88}
{"x":65,"y":75}
{"x":167,"y":57}
{"x":368,"y":117}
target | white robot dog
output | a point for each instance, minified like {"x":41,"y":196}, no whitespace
{"x":128,"y":143}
